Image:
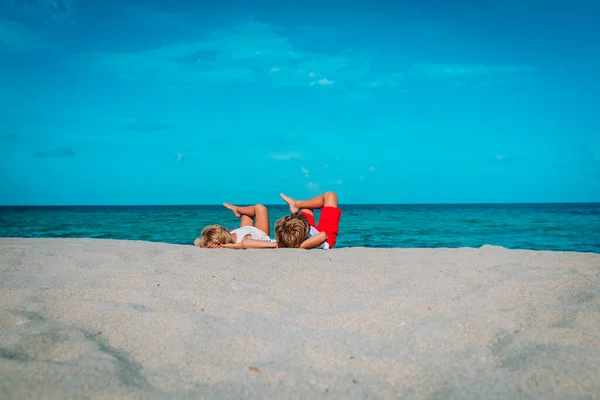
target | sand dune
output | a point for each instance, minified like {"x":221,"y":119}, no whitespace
{"x":114,"y":319}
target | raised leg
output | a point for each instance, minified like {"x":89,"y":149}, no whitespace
{"x":246,"y":221}
{"x":249,"y":213}
{"x":262,"y":219}
{"x":327,"y":199}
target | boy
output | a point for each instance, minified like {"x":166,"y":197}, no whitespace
{"x":299,"y":230}
{"x":249,"y":235}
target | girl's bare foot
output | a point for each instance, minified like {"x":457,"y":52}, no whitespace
{"x":291,"y":202}
{"x":232,"y":208}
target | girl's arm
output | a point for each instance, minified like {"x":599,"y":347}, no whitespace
{"x":251,"y":244}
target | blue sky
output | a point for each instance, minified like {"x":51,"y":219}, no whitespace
{"x":187,"y":102}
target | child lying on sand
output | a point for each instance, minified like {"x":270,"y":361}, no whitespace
{"x":250,"y":234}
{"x":297,"y":230}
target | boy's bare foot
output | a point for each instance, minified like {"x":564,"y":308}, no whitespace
{"x":232,"y":208}
{"x":291,"y":202}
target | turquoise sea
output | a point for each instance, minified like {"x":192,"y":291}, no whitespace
{"x":569,"y":227}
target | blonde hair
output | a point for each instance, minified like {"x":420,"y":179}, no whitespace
{"x":215,"y":234}
{"x":291,"y":230}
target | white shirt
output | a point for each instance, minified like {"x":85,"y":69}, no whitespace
{"x":313,"y":231}
{"x":253,"y":231}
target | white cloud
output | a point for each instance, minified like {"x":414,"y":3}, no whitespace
{"x":500,"y":158}
{"x":284,"y":156}
{"x":179,"y":156}
{"x":448,"y":71}
{"x":339,"y":182}
{"x":312,"y":185}
{"x":324,"y":82}
{"x":305,"y":172}
{"x":258,"y":52}
{"x":325,"y":166}
{"x":248,"y":52}
{"x":371,"y":168}
{"x":360,"y":178}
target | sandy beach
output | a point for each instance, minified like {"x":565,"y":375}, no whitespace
{"x":99,"y":319}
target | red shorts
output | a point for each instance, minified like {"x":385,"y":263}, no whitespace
{"x":328,"y":223}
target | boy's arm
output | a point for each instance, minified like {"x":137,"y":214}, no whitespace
{"x":251,"y":244}
{"x":314,"y":241}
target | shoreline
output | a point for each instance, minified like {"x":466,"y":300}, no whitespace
{"x":336,"y":248}
{"x":112,"y":318}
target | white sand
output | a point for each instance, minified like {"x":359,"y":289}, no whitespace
{"x":113,"y":319}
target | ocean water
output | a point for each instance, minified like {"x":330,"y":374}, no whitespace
{"x":568,"y":227}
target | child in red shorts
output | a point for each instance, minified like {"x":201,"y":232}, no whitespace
{"x":300,"y":229}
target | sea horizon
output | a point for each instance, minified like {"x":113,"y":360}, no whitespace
{"x":593,"y":203}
